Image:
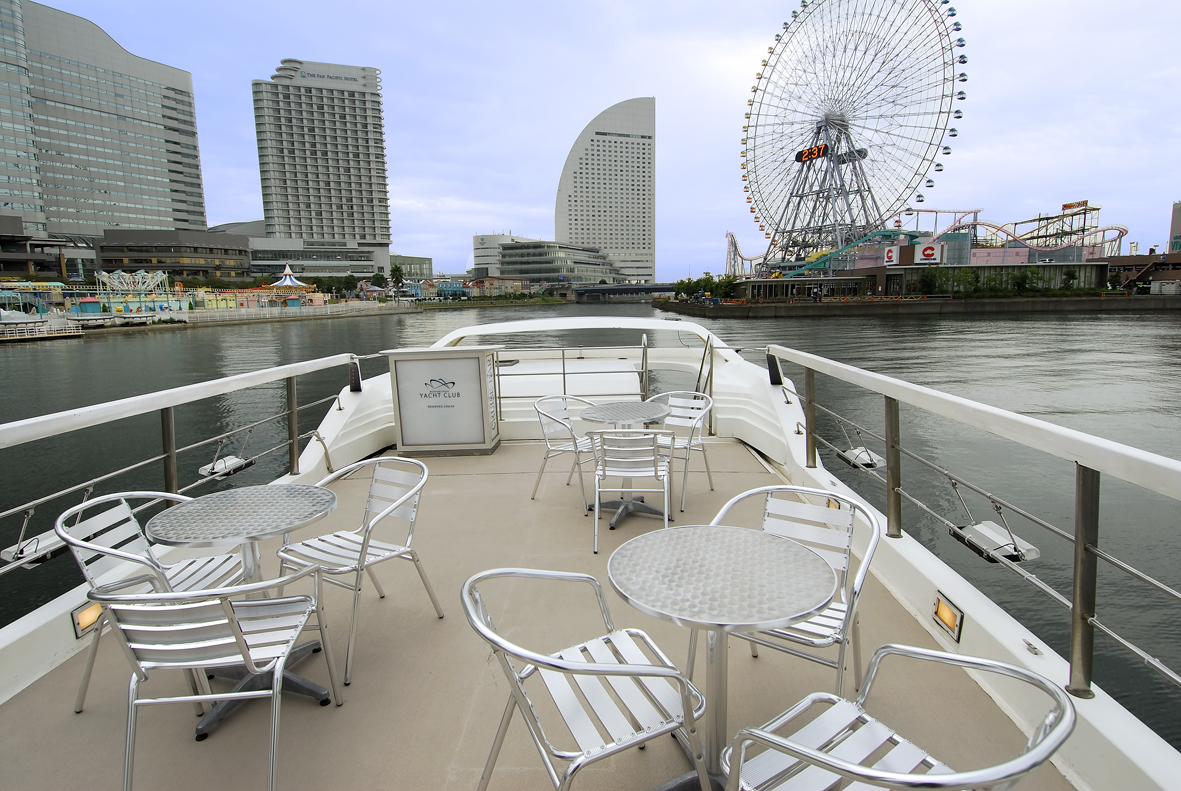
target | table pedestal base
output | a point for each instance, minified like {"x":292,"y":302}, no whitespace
{"x":254,"y":681}
{"x":623,"y":508}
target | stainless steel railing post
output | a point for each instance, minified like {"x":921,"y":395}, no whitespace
{"x":810,"y":414}
{"x":292,"y":427}
{"x":1082,"y":609}
{"x":893,"y":471}
{"x":168,"y":440}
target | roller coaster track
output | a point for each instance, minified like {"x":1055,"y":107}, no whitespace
{"x":1080,"y":238}
{"x":736,"y":262}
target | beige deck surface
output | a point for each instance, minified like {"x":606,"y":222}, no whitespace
{"x":426,"y":696}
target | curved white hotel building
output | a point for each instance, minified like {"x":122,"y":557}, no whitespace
{"x":91,"y":136}
{"x":607,"y":192}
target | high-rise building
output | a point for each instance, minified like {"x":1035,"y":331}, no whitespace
{"x":607,"y":192}
{"x":1175,"y":229}
{"x":321,"y":155}
{"x":91,"y":136}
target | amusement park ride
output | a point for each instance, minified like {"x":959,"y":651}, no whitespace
{"x":834,"y":153}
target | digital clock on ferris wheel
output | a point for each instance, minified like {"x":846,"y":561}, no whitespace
{"x":815,"y":152}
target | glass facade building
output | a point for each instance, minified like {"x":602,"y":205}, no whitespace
{"x":91,"y":136}
{"x":607,"y":191}
{"x":552,"y":263}
{"x":321,"y":154}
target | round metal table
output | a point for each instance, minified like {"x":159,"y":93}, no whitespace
{"x":244,"y":517}
{"x":721,"y":579}
{"x":625,"y":413}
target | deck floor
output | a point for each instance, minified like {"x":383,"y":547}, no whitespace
{"x":426,"y":696}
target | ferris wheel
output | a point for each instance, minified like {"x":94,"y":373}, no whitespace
{"x":850,"y":111}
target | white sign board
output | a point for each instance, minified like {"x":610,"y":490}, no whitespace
{"x":928,"y":253}
{"x":892,"y":255}
{"x":441,"y":402}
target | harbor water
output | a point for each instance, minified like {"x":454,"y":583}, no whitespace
{"x":1117,"y":376}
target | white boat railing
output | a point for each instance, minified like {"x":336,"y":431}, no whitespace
{"x":1092,"y":456}
{"x":32,"y":549}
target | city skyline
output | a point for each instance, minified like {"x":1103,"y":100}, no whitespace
{"x":476,"y":135}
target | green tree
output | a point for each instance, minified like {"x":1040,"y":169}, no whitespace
{"x":966,"y":280}
{"x":1069,"y":278}
{"x":931,"y":280}
{"x":397,"y":276}
{"x":378,"y":280}
{"x":602,"y":281}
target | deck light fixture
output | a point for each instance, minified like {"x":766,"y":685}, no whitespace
{"x":84,"y":617}
{"x":948,"y":616}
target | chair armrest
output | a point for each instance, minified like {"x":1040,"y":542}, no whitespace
{"x":477,"y":616}
{"x":130,"y":582}
{"x":232,"y":591}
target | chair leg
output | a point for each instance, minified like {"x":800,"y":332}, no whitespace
{"x":842,"y":657}
{"x":692,"y":654}
{"x":425,"y":582}
{"x":685,"y":478}
{"x":667,"y":478}
{"x":348,"y":652}
{"x":90,"y":655}
{"x":708,"y":473}
{"x":754,"y":649}
{"x":856,"y":649}
{"x":497,"y":743}
{"x":129,"y":750}
{"x":598,"y":498}
{"x":537,"y":483}
{"x":276,"y":699}
{"x":581,"y":483}
{"x":574,"y":464}
{"x":376,"y":585}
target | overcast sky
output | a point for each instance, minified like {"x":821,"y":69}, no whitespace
{"x":1066,"y":101}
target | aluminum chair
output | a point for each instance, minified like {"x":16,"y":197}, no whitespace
{"x":197,"y":630}
{"x":824,"y":522}
{"x":102,"y":542}
{"x":629,"y":454}
{"x":689,"y":410}
{"x":393,"y":492}
{"x":557,"y":428}
{"x":644,"y":696}
{"x":845,"y":742}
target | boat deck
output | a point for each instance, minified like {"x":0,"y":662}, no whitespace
{"x":426,"y":697}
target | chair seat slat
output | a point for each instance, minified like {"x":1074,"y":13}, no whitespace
{"x":855,"y":748}
{"x":640,"y":707}
{"x":663,"y":691}
{"x":573,"y":714}
{"x":769,"y":764}
{"x":599,"y":699}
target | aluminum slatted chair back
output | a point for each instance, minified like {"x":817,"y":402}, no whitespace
{"x":103,"y":542}
{"x":104,"y":536}
{"x":687,"y":420}
{"x":557,"y":429}
{"x":629,"y":455}
{"x":611,"y":693}
{"x":825,"y":523}
{"x":395,"y":489}
{"x":844,"y":743}
{"x":198,"y":630}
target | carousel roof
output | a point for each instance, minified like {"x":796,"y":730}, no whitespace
{"x":288,"y":279}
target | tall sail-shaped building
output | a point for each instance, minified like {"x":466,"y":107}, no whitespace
{"x":607,"y":192}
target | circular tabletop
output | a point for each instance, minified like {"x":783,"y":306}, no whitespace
{"x":620,"y":412}
{"x":716,"y":577}
{"x":236,"y":516}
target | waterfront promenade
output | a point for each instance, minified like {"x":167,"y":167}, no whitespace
{"x":935,"y":306}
